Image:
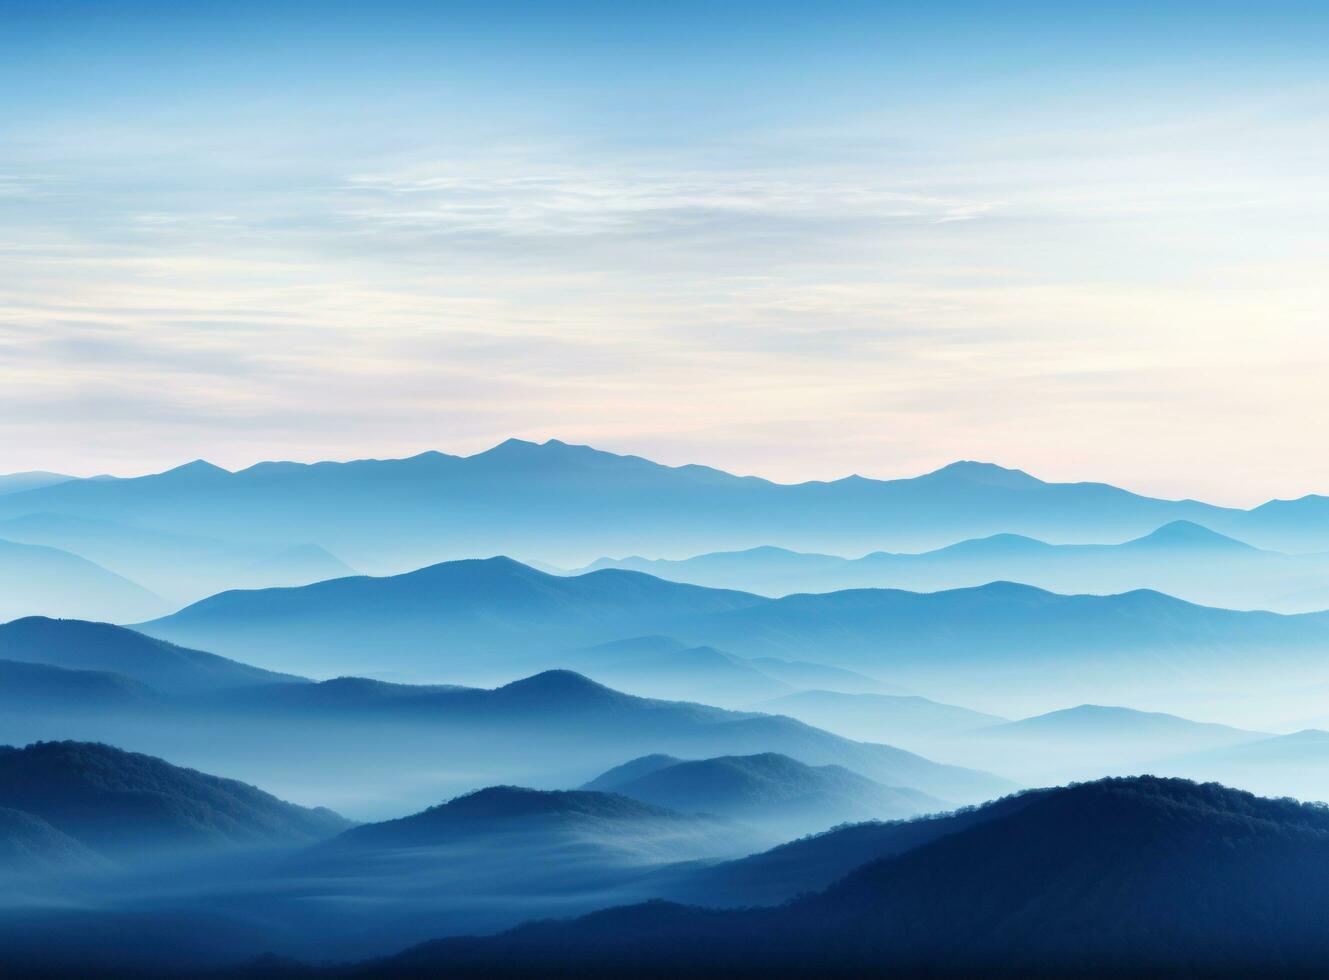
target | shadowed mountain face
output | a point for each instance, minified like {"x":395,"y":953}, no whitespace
{"x":121,"y":804}
{"x":769,"y":788}
{"x":1128,"y":875}
{"x":564,"y":502}
{"x":77,"y":645}
{"x":815,"y":862}
{"x":468,"y":618}
{"x":1181,"y":558}
{"x":51,"y":582}
{"x":28,"y":686}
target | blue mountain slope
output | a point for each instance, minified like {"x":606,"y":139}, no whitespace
{"x":437,"y":619}
{"x":37,"y":580}
{"x":77,"y":645}
{"x":481,"y":619}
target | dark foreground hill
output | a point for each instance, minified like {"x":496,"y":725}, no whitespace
{"x":123,"y":804}
{"x":1118,"y":877}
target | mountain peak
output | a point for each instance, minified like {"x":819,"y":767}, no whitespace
{"x":1188,"y":534}
{"x":566,"y":688}
{"x":986,"y":474}
{"x":196,"y":468}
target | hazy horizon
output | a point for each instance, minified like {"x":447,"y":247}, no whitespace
{"x":873,"y":239}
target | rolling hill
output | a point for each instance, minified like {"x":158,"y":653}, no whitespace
{"x":769,"y":788}
{"x":122,"y":804}
{"x":78,"y":645}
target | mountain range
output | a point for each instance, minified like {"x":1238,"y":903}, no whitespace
{"x":556,"y":728}
{"x":1182,"y":559}
{"x":477,"y":619}
{"x":562,"y":503}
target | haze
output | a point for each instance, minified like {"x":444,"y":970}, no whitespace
{"x":773,"y":238}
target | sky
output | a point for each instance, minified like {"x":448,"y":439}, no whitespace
{"x":788,"y":239}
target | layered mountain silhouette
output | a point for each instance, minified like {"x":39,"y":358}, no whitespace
{"x":559,"y":501}
{"x":1123,"y":877}
{"x":126,"y":805}
{"x":101,"y":647}
{"x":39,"y":580}
{"x":559,"y":710}
{"x":438,"y":620}
{"x":468,"y":617}
{"x":556,"y":726}
{"x":1181,"y":558}
{"x":769,"y":788}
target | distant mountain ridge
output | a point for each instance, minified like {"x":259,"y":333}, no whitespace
{"x":1181,"y":558}
{"x":557,"y":501}
{"x":471,"y":618}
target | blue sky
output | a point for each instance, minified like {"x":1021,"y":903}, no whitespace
{"x":793,"y":240}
